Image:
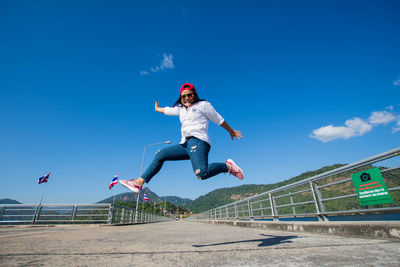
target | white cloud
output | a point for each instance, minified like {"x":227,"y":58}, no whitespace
{"x":389,"y":108}
{"x":397,"y":82}
{"x":166,"y":63}
{"x":354,"y":127}
{"x":357,"y":127}
{"x":397,"y":128}
{"x":381,"y":117}
{"x":155,"y":69}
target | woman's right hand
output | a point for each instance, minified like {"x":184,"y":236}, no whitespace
{"x":157,"y":108}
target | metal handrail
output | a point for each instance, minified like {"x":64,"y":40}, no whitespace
{"x":73,"y":213}
{"x":316,"y":195}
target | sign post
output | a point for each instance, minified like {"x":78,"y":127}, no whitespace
{"x":371,"y":188}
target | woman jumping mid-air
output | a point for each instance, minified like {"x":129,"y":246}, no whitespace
{"x":194,"y":114}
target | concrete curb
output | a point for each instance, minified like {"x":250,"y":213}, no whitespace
{"x":377,"y":230}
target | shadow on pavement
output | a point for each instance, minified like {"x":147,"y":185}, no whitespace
{"x":270,"y":241}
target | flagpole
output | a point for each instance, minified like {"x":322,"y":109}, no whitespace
{"x":40,"y":202}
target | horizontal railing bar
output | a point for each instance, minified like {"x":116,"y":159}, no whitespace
{"x":294,"y":193}
{"x":17,"y":215}
{"x":363,"y":210}
{"x":54,"y":205}
{"x":338,"y":197}
{"x":259,"y":201}
{"x":390,"y":169}
{"x":335,"y":183}
{"x":394,"y":188}
{"x":289,"y":215}
{"x":295,"y":204}
{"x":69,"y":221}
{"x":354,"y":195}
{"x":349,"y":179}
{"x":18,"y":221}
{"x":263,"y":208}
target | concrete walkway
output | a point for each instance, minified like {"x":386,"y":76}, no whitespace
{"x":186,"y":244}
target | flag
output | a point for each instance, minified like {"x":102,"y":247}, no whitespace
{"x":155,"y":205}
{"x":44,"y":179}
{"x":113,"y":182}
{"x":146,"y":198}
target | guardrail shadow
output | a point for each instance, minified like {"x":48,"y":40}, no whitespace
{"x":271,"y":240}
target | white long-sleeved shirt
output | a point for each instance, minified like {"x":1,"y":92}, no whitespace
{"x":195,"y":119}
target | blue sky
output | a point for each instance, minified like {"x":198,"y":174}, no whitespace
{"x":309,"y":84}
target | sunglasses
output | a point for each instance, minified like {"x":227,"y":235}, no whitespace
{"x":187,"y":95}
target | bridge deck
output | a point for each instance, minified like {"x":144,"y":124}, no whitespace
{"x":186,"y":244}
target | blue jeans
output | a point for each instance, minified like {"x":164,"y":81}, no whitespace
{"x":194,"y":149}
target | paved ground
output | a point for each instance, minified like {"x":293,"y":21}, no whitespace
{"x":186,"y":244}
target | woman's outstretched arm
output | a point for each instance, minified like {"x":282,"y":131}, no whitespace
{"x":233,"y":133}
{"x":158,"y":109}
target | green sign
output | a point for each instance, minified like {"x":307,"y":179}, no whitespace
{"x":371,"y":188}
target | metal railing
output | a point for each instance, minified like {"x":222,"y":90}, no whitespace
{"x":123,"y":215}
{"x":323,"y":195}
{"x":73,"y":213}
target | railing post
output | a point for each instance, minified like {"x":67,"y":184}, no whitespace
{"x":292,"y":202}
{"x":110,"y":213}
{"x":273,"y":209}
{"x":250,"y":210}
{"x":321,"y":203}
{"x":236,"y":211}
{"x":227,"y":212}
{"x":74,"y":208}
{"x":2,"y":211}
{"x":36,"y":214}
{"x":320,"y":218}
{"x":261,"y":210}
{"x":121,"y":220}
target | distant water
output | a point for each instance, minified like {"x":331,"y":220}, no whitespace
{"x":367,"y":217}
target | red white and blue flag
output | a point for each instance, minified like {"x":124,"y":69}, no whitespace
{"x":44,"y":179}
{"x":146,"y":198}
{"x":114,"y":181}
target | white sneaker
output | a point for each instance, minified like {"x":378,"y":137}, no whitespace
{"x":234,"y":169}
{"x":131,"y":185}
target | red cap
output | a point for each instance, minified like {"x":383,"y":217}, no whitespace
{"x":188,"y":86}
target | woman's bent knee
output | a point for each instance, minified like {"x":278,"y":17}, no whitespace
{"x":201,"y":174}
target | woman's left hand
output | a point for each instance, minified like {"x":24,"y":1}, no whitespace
{"x":237,"y":134}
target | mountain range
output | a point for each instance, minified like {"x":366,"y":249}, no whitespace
{"x":9,"y":201}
